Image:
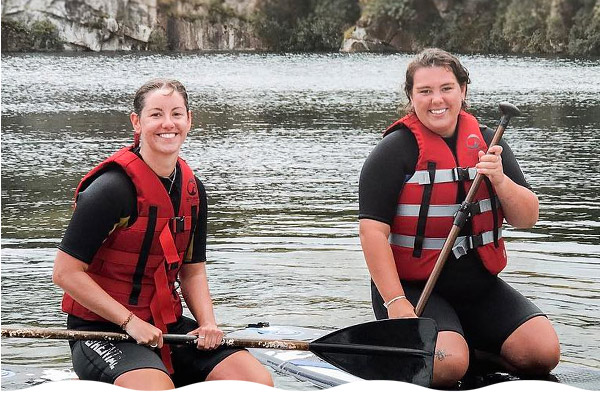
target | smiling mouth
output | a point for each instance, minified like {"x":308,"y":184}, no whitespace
{"x":167,"y":135}
{"x":438,"y":111}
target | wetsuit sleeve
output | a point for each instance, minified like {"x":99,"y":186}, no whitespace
{"x":383,"y":175}
{"x":509,"y":161}
{"x":107,"y":202}
{"x":197,"y":251}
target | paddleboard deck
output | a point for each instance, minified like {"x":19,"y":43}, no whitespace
{"x":305,"y":366}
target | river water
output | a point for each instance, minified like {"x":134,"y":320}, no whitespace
{"x":279,"y":141}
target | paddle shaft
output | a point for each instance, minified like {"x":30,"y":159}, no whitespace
{"x":457,"y":226}
{"x":168,"y":338}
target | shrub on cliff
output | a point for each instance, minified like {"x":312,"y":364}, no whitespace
{"x":15,"y":36}
{"x":304,"y":25}
{"x":40,"y":35}
{"x":45,"y":36}
{"x":584,"y":36}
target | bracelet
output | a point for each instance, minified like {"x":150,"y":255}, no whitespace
{"x":387,"y":303}
{"x":124,"y":324}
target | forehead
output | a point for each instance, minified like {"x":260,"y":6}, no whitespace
{"x":429,"y":76}
{"x":164,"y":97}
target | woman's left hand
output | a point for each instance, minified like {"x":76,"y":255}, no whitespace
{"x":490,"y":165}
{"x":209,"y":336}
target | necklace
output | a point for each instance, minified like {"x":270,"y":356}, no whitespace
{"x":172,"y":180}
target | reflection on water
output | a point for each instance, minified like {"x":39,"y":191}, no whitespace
{"x":279,"y":141}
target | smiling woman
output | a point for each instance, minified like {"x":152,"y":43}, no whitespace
{"x":434,"y":153}
{"x":139,"y":226}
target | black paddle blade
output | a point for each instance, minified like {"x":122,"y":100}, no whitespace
{"x":389,"y":349}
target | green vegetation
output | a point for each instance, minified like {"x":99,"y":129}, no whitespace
{"x":570,"y":27}
{"x":158,"y":40}
{"x":39,"y":36}
{"x":304,"y":25}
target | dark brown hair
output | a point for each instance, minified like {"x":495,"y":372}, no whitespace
{"x":155,"y":84}
{"x":434,"y":57}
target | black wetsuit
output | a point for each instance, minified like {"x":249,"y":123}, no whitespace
{"x":466,"y":299}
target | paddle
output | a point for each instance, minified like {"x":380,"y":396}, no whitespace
{"x":395,"y":349}
{"x":508,"y":111}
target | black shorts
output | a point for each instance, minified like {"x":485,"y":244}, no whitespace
{"x":468,"y":300}
{"x":105,"y":361}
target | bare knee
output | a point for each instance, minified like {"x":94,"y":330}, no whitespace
{"x":451,"y":359}
{"x":145,"y":379}
{"x":533,"y":348}
{"x":241,"y":366}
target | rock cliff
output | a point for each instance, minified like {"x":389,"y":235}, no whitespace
{"x":116,"y":25}
{"x":566,"y":27}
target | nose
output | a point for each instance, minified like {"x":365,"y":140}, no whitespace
{"x":167,"y":122}
{"x":437,"y":96}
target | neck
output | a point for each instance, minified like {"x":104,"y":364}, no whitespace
{"x":162,"y":166}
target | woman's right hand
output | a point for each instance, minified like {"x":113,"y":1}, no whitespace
{"x":401,"y":309}
{"x":144,"y":333}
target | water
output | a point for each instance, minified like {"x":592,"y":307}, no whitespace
{"x":279,"y":141}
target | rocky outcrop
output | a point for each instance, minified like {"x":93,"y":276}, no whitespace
{"x":570,"y":27}
{"x":89,"y":24}
{"x":121,"y":25}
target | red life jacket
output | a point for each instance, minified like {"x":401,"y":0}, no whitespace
{"x":138,"y":265}
{"x":428,"y":202}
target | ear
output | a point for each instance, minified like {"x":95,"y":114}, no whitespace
{"x":189,"y":121}
{"x":135,"y":122}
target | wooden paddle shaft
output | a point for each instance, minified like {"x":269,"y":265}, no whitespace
{"x":67,"y":334}
{"x":449,"y":243}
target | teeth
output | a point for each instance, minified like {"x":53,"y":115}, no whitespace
{"x":438,"y":111}
{"x":167,"y":135}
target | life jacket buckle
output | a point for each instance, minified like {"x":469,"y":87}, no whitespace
{"x":461,"y":246}
{"x":177,"y":224}
{"x":475,"y":208}
{"x":460,"y":174}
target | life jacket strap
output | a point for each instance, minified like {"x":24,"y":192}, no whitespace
{"x":461,"y":246}
{"x":422,"y":177}
{"x":143,"y":256}
{"x":424,"y":211}
{"x":449,"y":210}
{"x":466,"y":243}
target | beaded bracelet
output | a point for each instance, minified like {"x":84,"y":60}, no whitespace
{"x":124,"y":324}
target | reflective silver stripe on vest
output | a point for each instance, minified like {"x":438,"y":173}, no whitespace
{"x":412,"y":210}
{"x":441,"y":176}
{"x":461,"y":246}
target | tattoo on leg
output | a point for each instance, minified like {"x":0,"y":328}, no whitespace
{"x":441,"y":355}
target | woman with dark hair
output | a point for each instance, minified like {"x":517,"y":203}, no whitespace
{"x":410,"y":188}
{"x":138,"y":232}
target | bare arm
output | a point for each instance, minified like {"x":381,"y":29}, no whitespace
{"x":194,"y":287}
{"x":70,"y":274}
{"x":381,"y":264}
{"x":519,"y":204}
